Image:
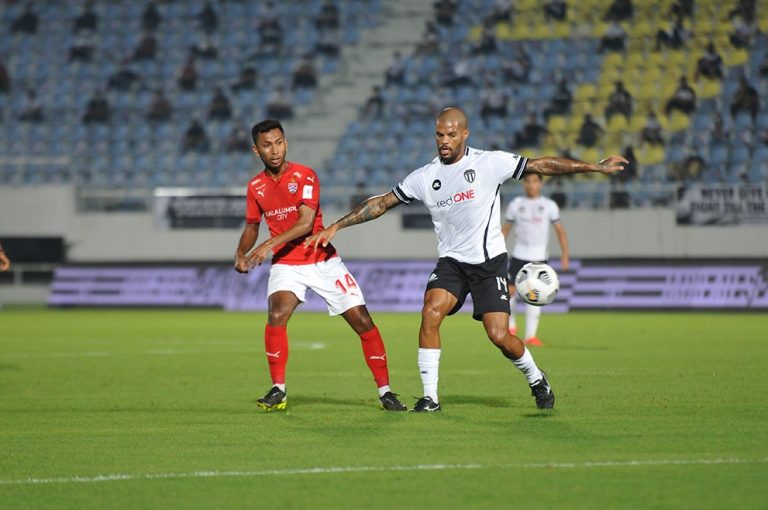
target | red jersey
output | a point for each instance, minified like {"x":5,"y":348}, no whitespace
{"x":279,"y":201}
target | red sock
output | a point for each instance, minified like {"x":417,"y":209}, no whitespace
{"x":375,"y":356}
{"x":276,"y":347}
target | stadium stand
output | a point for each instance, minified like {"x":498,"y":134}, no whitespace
{"x":509,"y":64}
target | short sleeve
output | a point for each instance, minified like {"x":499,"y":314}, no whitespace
{"x":252,"y":210}
{"x":310,"y":191}
{"x":411,"y":188}
{"x":510,"y":214}
{"x":554,"y":212}
{"x":508,"y":165}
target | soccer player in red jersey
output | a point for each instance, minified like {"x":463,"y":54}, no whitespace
{"x":287,"y":196}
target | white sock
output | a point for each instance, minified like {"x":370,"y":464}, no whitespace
{"x":512,"y":304}
{"x":532,"y":314}
{"x":280,"y":387}
{"x":528,"y":367}
{"x":383,"y":390}
{"x":429,"y":365}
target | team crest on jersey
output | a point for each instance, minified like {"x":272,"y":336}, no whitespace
{"x":436,"y":184}
{"x":293,"y":186}
{"x":469,"y":175}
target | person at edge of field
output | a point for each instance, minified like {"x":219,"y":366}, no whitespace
{"x":5,"y":262}
{"x":531,"y":217}
{"x":461,"y":190}
{"x":287,"y":196}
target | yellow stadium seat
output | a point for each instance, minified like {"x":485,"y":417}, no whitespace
{"x":637,"y":123}
{"x":617,"y":124}
{"x":708,"y":88}
{"x":475,"y":32}
{"x":556,"y":124}
{"x":735,"y":57}
{"x":561,"y":30}
{"x":585,"y":91}
{"x":679,"y":121}
{"x":503,"y":32}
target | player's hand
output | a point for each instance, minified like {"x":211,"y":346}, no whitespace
{"x":5,"y":264}
{"x":565,"y":262}
{"x":323,"y":237}
{"x":259,"y":254}
{"x":241,"y":264}
{"x":612,"y":164}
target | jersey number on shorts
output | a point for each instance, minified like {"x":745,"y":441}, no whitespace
{"x":350,"y":283}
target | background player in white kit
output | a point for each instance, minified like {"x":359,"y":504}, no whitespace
{"x":461,"y":190}
{"x":531,"y":217}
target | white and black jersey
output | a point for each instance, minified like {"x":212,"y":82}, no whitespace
{"x":532,"y":218}
{"x":463,"y":199}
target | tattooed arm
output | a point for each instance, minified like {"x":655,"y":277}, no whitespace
{"x":368,"y":210}
{"x":564,"y":166}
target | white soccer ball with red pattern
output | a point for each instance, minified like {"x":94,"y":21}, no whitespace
{"x":537,"y":283}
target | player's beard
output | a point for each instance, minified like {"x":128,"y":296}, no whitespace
{"x":451,"y":159}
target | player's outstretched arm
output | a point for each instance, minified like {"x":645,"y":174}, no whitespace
{"x":368,"y":210}
{"x":564,"y":166}
{"x":5,"y":263}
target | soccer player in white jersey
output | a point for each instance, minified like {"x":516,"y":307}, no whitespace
{"x":531,"y":217}
{"x":460,"y":188}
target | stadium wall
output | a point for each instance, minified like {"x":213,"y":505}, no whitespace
{"x":112,"y":237}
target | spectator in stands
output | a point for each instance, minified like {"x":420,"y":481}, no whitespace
{"x":147,"y":47}
{"x":673,"y":38}
{"x":652,"y":131}
{"x":430,"y":41}
{"x":438,"y":101}
{"x":328,"y":17}
{"x":561,"y":101}
{"x":630,"y":169}
{"x":305,"y":74}
{"x":590,"y":132}
{"x":745,"y":9}
{"x":124,"y":78}
{"x":270,"y":31}
{"x":279,"y":104}
{"x":691,"y":167}
{"x":710,"y":65}
{"x":487,"y":43}
{"x":763,"y":69}
{"x":620,"y":101}
{"x":493,"y":101}
{"x":395,"y":73}
{"x":247,"y":79}
{"x":219,"y":107}
{"x":328,"y":43}
{"x":374,"y":105}
{"x":86,"y":20}
{"x":208,"y":19}
{"x":619,"y":10}
{"x":530,"y":135}
{"x":82,"y":48}
{"x":26,"y":22}
{"x":238,"y":140}
{"x":556,"y":10}
{"x":682,"y":9}
{"x":518,"y":67}
{"x":501,"y":12}
{"x":746,"y":99}
{"x":5,"y":79}
{"x":614,"y":38}
{"x":33,"y":110}
{"x":743,"y":31}
{"x":719,"y":134}
{"x":160,"y":109}
{"x":444,"y":10}
{"x":456,"y":72}
{"x":195,"y":138}
{"x":150,"y":18}
{"x":97,"y":110}
{"x":188,"y":75}
{"x":683,"y":100}
{"x":205,"y":48}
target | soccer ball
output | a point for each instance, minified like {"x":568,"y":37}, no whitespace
{"x":537,"y":283}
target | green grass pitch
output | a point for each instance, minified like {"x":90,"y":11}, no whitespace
{"x":156,"y":409}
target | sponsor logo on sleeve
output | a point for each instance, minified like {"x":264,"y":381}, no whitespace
{"x":307,"y":192}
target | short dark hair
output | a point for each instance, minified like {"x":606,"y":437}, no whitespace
{"x":531,"y":173}
{"x":265,"y":126}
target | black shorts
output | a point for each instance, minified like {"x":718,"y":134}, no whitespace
{"x":515,"y":265}
{"x":487,"y":282}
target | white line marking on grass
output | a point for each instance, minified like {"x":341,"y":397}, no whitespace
{"x":376,"y":469}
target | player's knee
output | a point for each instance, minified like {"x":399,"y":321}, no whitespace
{"x":498,"y":334}
{"x":278,"y":316}
{"x":431,"y":315}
